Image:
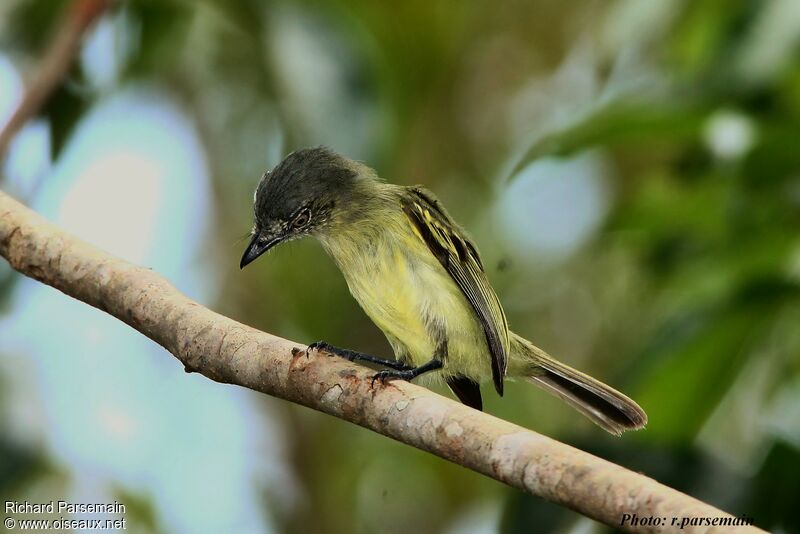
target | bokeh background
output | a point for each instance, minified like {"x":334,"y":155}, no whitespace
{"x":629,"y":170}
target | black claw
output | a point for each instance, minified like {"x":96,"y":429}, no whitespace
{"x":317,"y":345}
{"x":391,"y":374}
{"x":313,"y":346}
{"x":380,"y":375}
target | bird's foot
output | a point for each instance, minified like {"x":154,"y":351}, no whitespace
{"x":406,"y":374}
{"x":391,"y":374}
{"x":324,"y":346}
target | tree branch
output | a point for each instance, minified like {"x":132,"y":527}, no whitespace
{"x":54,"y":66}
{"x":230,"y":352}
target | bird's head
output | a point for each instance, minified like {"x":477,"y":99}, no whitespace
{"x":305,"y":194}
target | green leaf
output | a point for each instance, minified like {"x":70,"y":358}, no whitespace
{"x":64,"y":109}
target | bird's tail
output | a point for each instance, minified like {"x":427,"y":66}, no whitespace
{"x":604,"y":405}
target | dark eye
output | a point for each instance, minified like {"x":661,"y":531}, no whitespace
{"x":301,"y":219}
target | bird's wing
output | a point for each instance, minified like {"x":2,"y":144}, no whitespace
{"x":460,"y":259}
{"x":467,"y":390}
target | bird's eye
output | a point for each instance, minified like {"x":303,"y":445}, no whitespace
{"x":301,"y":219}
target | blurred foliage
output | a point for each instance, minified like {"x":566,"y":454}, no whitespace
{"x":31,"y":25}
{"x":693,"y":279}
{"x":18,"y":466}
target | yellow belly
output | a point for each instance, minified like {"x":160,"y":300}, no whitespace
{"x":406,"y":291}
{"x":389,"y":290}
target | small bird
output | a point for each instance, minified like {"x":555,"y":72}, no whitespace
{"x":420,"y":279}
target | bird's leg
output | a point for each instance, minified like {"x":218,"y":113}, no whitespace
{"x":408,"y":374}
{"x":355,"y":356}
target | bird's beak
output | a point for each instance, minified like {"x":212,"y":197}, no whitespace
{"x":257,"y":247}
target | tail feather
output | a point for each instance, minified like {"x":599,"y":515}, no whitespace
{"x":602,"y":404}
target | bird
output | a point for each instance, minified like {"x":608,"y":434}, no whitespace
{"x":420,"y":278}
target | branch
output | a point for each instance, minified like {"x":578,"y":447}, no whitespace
{"x":54,"y":66}
{"x":232,"y":353}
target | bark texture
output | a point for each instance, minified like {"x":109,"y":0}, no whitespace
{"x":230,"y":352}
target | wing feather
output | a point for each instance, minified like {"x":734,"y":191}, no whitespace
{"x":460,"y":259}
{"x":467,"y":390}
